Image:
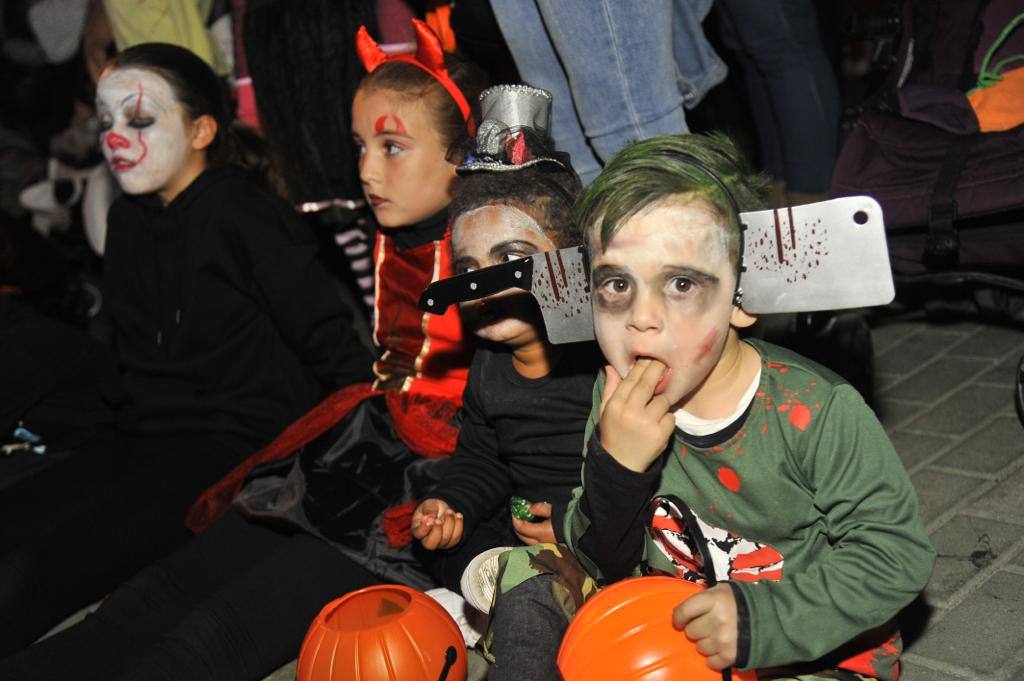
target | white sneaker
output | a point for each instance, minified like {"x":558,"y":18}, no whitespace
{"x":481,"y":577}
{"x":471,"y":623}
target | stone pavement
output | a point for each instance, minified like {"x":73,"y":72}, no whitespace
{"x":944,"y":393}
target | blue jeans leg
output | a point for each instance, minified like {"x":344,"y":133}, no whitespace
{"x":620,"y":61}
{"x":527,"y":39}
{"x":792,"y":87}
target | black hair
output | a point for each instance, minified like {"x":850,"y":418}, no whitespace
{"x":202,"y":93}
{"x":545,"y":191}
{"x":304,"y":69}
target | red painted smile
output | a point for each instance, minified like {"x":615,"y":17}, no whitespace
{"x":119,"y":164}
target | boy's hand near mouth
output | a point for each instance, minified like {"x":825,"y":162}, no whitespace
{"x":635,"y":423}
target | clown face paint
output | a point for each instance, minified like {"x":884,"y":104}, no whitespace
{"x":402,"y":164}
{"x":491,"y":235}
{"x":144,"y":131}
{"x":663,"y":289}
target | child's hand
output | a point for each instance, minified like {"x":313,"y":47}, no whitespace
{"x":635,"y":423}
{"x":436,"y":525}
{"x":710,"y":620}
{"x":536,"y":532}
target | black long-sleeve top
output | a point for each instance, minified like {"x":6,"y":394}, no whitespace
{"x":226,"y":323}
{"x":520,"y":436}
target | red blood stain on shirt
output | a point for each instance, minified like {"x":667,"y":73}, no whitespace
{"x":800,"y":416}
{"x":776,"y":365}
{"x":729,"y":479}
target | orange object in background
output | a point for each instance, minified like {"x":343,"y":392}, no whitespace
{"x":383,"y":633}
{"x":625,"y":633}
{"x":1000,"y":106}
{"x":438,"y":18}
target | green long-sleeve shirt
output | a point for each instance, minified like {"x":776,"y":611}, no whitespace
{"x":806,"y":508}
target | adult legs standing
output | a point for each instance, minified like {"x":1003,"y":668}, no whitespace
{"x":619,"y":72}
{"x":792,"y":89}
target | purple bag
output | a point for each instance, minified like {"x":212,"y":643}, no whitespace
{"x":953,"y":197}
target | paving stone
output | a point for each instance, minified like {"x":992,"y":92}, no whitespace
{"x":1003,"y":373}
{"x":914,"y":351}
{"x":937,"y":491}
{"x":964,"y":409}
{"x":966,"y":546}
{"x":985,"y":631}
{"x":895,"y":412}
{"x":915,"y":447}
{"x":991,"y":341}
{"x":918,"y":672}
{"x":285,"y":673}
{"x":998,"y":445}
{"x":1006,"y":499}
{"x":885,"y":381}
{"x":885,"y":335}
{"x":938,"y":378}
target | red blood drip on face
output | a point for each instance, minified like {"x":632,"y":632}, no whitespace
{"x":729,"y":479}
{"x":800,"y":416}
{"x":706,"y":346}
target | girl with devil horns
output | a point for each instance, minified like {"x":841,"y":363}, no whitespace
{"x":307,"y":527}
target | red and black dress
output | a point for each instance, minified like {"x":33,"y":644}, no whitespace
{"x":367,"y":453}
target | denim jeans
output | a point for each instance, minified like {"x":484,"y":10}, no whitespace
{"x":618,"y":71}
{"x":792,"y":88}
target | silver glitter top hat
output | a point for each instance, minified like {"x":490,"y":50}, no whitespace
{"x":514,"y":131}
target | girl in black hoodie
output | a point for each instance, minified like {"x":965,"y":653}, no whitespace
{"x":227,"y":329}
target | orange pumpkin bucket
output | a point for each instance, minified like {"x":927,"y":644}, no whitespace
{"x":625,"y":633}
{"x":383,"y":633}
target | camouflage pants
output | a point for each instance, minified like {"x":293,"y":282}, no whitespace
{"x":539,"y":590}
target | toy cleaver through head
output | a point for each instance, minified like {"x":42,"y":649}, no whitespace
{"x":829,"y":255}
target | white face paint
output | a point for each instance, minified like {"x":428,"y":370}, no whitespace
{"x":663,"y":289}
{"x":143,"y":130}
{"x":491,"y":235}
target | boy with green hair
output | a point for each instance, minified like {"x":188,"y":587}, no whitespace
{"x":714,"y":458}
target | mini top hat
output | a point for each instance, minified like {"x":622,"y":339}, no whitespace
{"x":513,"y":132}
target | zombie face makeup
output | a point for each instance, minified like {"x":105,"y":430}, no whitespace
{"x":491,"y":235}
{"x":663,"y":289}
{"x":144,"y":131}
{"x":402,"y":164}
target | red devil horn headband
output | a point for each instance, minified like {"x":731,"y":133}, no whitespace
{"x":429,"y":57}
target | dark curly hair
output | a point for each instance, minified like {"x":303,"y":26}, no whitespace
{"x":545,"y":191}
